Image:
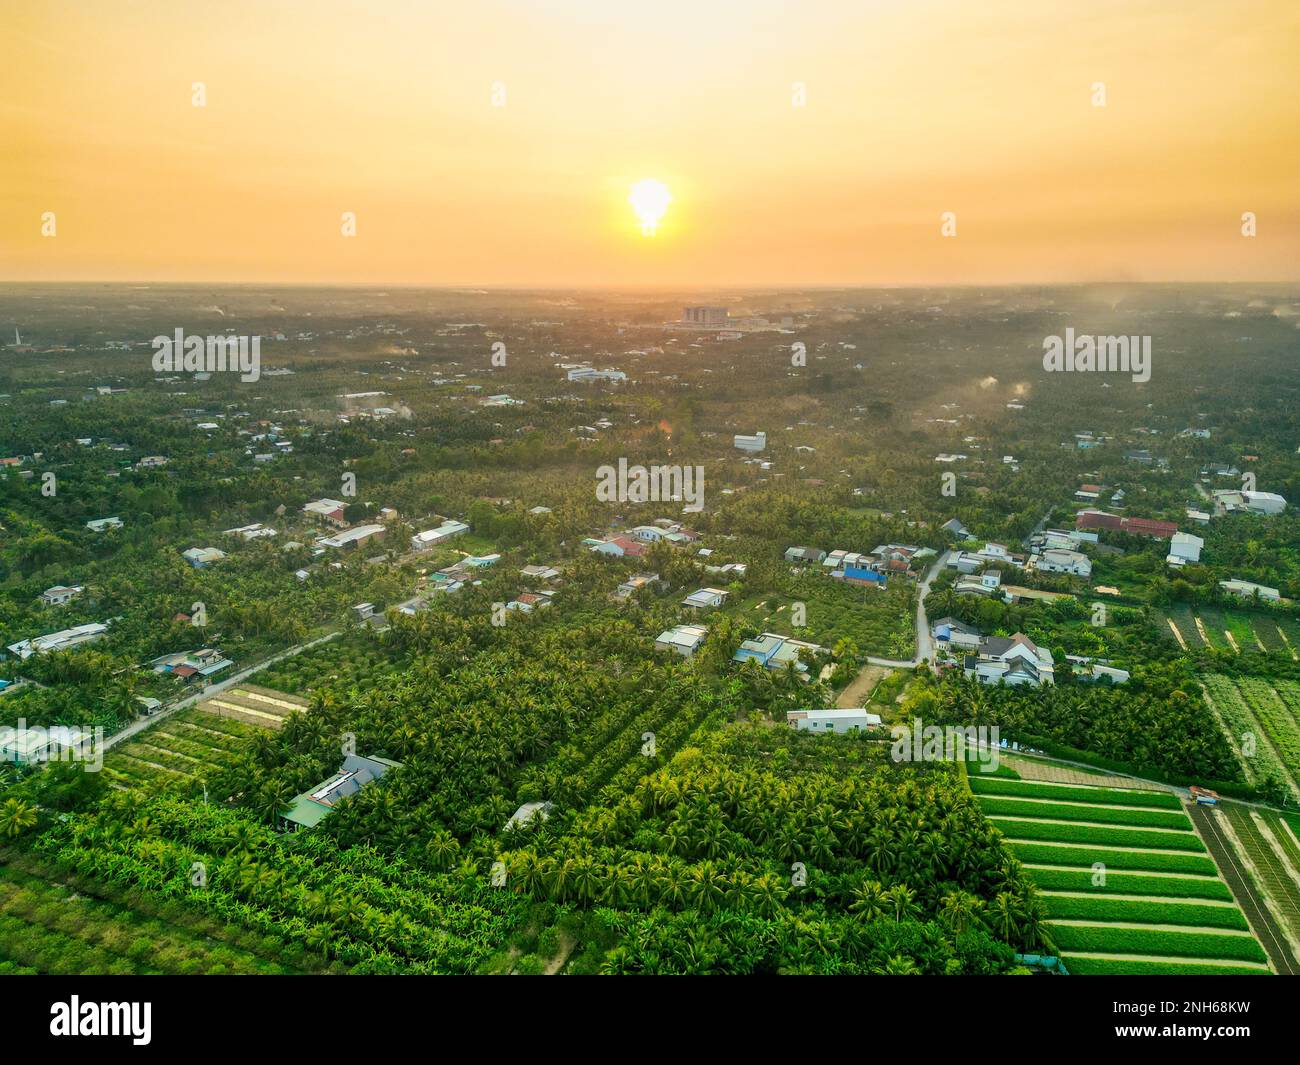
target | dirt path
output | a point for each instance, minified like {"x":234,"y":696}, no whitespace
{"x":1031,"y":769}
{"x":561,"y":956}
{"x":861,"y":686}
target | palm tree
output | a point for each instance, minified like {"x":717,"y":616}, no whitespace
{"x":16,"y":817}
{"x":960,"y":910}
{"x":869,"y":900}
{"x":1006,"y":916}
{"x":902,"y":901}
{"x":897,"y":965}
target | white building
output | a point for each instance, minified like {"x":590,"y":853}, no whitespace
{"x":705,"y":599}
{"x":707,"y":317}
{"x":1184,"y":547}
{"x":586,"y":373}
{"x":59,"y":641}
{"x":60,"y":594}
{"x":101,"y":524}
{"x":832,"y":720}
{"x":1013,"y":660}
{"x":1248,"y":590}
{"x":422,"y":541}
{"x":252,"y":532}
{"x":1059,"y":560}
{"x":353,"y":537}
{"x":199,"y":557}
{"x":330,"y":510}
{"x":1264,"y":502}
{"x":684,"y":639}
{"x":754,"y":443}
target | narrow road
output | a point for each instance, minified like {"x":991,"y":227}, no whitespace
{"x":212,"y":689}
{"x":924,"y":641}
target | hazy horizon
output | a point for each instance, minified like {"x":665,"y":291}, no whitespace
{"x":812,"y":146}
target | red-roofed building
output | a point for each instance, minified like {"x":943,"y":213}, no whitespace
{"x":621,"y":547}
{"x":1099,"y":519}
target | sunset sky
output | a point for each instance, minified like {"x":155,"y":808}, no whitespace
{"x":386,"y":109}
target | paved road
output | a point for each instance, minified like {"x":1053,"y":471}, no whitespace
{"x":212,"y":689}
{"x":924,"y":641}
{"x":1206,"y":820}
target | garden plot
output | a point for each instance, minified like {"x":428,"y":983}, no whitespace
{"x":254,"y":705}
{"x":1272,"y":856}
{"x":1128,"y":885}
{"x":1260,"y":709}
{"x":187,"y":746}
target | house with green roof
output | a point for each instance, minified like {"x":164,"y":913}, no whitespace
{"x":312,"y":807}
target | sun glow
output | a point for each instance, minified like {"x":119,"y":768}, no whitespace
{"x":649,"y":199}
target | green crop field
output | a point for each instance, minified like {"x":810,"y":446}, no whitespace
{"x":1175,"y":887}
{"x":1074,"y":793}
{"x":178,"y":749}
{"x":1121,"y":908}
{"x":1273,"y":855}
{"x":1260,"y":710}
{"x":1092,"y":812}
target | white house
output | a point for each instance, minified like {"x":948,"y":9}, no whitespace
{"x":329,"y":510}
{"x":950,"y":633}
{"x":848,"y":720}
{"x":1060,"y":560}
{"x":754,"y":443}
{"x":252,"y":532}
{"x":353,"y":537}
{"x":651,"y":534}
{"x":100,"y":524}
{"x":705,"y":599}
{"x":586,"y":373}
{"x":1264,"y":502}
{"x":60,"y":594}
{"x":1014,"y":660}
{"x":684,"y":639}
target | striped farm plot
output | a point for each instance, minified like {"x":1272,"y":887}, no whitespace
{"x":1263,"y":721}
{"x":1268,"y":843}
{"x":1181,"y":624}
{"x":186,"y":746}
{"x":1128,"y":884}
{"x":254,"y":705}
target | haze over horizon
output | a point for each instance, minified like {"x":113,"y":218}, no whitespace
{"x":910,"y":112}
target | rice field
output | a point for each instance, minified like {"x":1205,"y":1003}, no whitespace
{"x":1128,"y":884}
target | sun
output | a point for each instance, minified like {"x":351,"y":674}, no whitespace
{"x":649,"y":199}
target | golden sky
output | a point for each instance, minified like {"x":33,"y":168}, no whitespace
{"x":386,"y":109}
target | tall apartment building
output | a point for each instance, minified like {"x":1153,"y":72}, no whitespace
{"x":708,"y":317}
